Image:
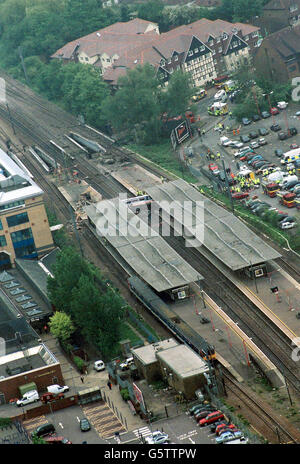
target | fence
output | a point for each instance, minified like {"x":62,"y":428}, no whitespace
{"x":150,"y":337}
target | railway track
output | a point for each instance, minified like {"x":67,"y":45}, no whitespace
{"x":236,"y":304}
{"x":264,"y":333}
{"x":291,"y":269}
{"x":275,"y":430}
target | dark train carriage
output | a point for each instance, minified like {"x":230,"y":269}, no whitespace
{"x":178,"y":327}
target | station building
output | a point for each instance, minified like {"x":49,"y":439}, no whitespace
{"x":23,"y":356}
{"x":24,"y":226}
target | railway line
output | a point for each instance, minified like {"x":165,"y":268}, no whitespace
{"x":275,"y":345}
{"x":251,"y":320}
{"x":273,"y":429}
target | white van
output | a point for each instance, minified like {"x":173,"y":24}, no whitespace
{"x":220,"y":96}
{"x":28,"y":397}
{"x":57,"y":389}
{"x":288,"y":179}
{"x":288,"y":158}
{"x":99,"y":366}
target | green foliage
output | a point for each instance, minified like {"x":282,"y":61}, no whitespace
{"x":95,"y":308}
{"x":79,"y":363}
{"x":38,"y":440}
{"x":125,"y":394}
{"x":61,"y":326}
{"x":5,"y":422}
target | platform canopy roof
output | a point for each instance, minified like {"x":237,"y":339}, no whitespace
{"x":144,"y":250}
{"x":223,"y":234}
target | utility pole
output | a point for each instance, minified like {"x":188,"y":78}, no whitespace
{"x":10,"y":118}
{"x":227,"y":186}
{"x":255,"y":98}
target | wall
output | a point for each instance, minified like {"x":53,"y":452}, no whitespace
{"x":42,"y":377}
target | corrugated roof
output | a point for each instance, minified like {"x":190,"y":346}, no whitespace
{"x":146,"y":252}
{"x":222,"y":233}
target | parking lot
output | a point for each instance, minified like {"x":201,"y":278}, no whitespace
{"x":285,"y":118}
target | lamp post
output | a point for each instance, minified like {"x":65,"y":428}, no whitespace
{"x":269,"y":100}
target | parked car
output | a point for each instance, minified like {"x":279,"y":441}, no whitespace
{"x":278,"y":152}
{"x":204,"y":407}
{"x":275,"y":127}
{"x":212,"y":417}
{"x":244,"y":138}
{"x":240,"y":195}
{"x":253,"y":135}
{"x":254,"y":145}
{"x":282,"y":136}
{"x":195,"y":407}
{"x":203,"y":413}
{"x":29,"y":397}
{"x":274,"y":111}
{"x":214,"y":168}
{"x":124,"y":366}
{"x":256,"y":117}
{"x":292,"y":131}
{"x":57,"y":440}
{"x":157,"y":437}
{"x":84,"y":425}
{"x":57,"y":389}
{"x":263,"y":131}
{"x":265,"y":115}
{"x":228,"y":436}
{"x":236,"y":144}
{"x":293,"y":146}
{"x":254,"y":158}
{"x":262,"y":142}
{"x":99,"y":365}
{"x":282,"y":105}
{"x":297,"y":114}
{"x":287,"y":225}
{"x":224,"y":426}
{"x":43,"y":430}
{"x":246,"y":121}
{"x":225,"y":141}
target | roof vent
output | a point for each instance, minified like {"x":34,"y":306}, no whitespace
{"x":98,"y":34}
{"x":135,"y":61}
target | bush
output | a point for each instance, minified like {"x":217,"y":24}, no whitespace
{"x":79,"y":363}
{"x":125,"y":394}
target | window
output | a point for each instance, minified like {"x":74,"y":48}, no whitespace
{"x":202,"y":49}
{"x":246,"y":37}
{"x":220,"y":49}
{"x":191,"y":53}
{"x":196,"y":50}
{"x":2,"y":241}
{"x":12,"y":205}
{"x":255,"y":34}
{"x":21,"y":235}
{"x":17,"y":219}
{"x":176,"y":58}
{"x":293,"y":8}
{"x":218,"y":39}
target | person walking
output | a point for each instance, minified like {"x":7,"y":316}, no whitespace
{"x":82,"y":379}
{"x":109,"y":384}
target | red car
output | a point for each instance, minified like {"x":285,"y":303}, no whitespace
{"x":274,"y":111}
{"x":212,"y":417}
{"x":239,"y":195}
{"x":202,"y":415}
{"x":213,"y":167}
{"x":294,"y":146}
{"x":222,"y":427}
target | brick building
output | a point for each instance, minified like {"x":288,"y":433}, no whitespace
{"x":24,"y":227}
{"x":278,"y":57}
{"x":207,"y":49}
{"x":23,"y":357}
{"x":278,"y":14}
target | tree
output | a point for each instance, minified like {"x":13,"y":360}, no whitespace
{"x":179,"y":91}
{"x":136,"y":102}
{"x":67,"y":271}
{"x":61,"y":326}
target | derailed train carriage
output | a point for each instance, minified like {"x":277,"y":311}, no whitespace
{"x":169,"y":318}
